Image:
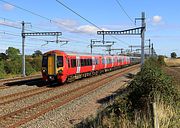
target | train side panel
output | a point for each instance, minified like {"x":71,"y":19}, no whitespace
{"x":62,"y":67}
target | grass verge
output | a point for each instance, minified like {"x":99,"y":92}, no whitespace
{"x":133,"y":108}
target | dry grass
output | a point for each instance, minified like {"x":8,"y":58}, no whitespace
{"x":165,"y":114}
{"x":174,"y":72}
{"x":172,"y":62}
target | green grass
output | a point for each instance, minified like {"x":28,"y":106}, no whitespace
{"x":132,"y":109}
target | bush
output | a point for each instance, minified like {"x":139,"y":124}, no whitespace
{"x":2,"y":71}
{"x":13,"y":67}
{"x":29,"y":69}
{"x":132,"y":109}
{"x":150,"y":83}
{"x":161,"y":60}
{"x":36,"y":63}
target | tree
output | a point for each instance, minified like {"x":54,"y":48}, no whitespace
{"x":173,"y":55}
{"x":2,"y":71}
{"x":37,"y":53}
{"x":13,"y":64}
{"x":12,"y":53}
{"x":3,"y":56}
{"x":13,"y":67}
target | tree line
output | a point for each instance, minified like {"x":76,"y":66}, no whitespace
{"x":11,"y":62}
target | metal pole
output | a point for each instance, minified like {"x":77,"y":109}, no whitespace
{"x":152,"y":50}
{"x":109,"y":49}
{"x":91,"y":45}
{"x":149,"y":47}
{"x":142,"y":38}
{"x":121,"y":51}
{"x":103,"y":37}
{"x":131,"y":48}
{"x":57,"y":38}
{"x":23,"y":54}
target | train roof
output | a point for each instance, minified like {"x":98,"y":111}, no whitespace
{"x":72,"y":53}
{"x":80,"y":54}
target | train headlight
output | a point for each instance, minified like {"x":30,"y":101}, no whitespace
{"x":43,"y":70}
{"x":60,"y":71}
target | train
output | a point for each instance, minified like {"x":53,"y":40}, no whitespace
{"x":60,"y":66}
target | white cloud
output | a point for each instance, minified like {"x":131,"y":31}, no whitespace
{"x":7,"y":23}
{"x":86,"y":29}
{"x":74,"y":27}
{"x":156,"y":19}
{"x":8,"y":7}
{"x":66,"y":24}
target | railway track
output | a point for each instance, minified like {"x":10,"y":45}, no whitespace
{"x":21,"y":95}
{"x":3,"y":87}
{"x":18,"y":79}
{"x":23,"y":115}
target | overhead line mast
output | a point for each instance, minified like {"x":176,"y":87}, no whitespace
{"x":23,"y":34}
{"x":135,"y":31}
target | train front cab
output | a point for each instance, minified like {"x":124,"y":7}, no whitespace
{"x":52,"y":67}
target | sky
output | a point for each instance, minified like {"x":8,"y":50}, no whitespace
{"x":162,"y":24}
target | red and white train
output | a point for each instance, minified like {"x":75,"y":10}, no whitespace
{"x":63,"y":67}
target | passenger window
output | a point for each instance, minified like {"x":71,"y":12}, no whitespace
{"x":69,"y":65}
{"x":59,"y":61}
{"x":90,"y":61}
{"x":73,"y":63}
{"x":86,"y":62}
{"x":44,"y":61}
{"x":103,"y":61}
{"x":82,"y":62}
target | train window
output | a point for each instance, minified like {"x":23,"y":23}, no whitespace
{"x":59,"y":61}
{"x":107,"y":60}
{"x":44,"y":61}
{"x":69,"y":65}
{"x":86,"y":62}
{"x":73,"y":63}
{"x":97,"y":61}
{"x":90,"y":61}
{"x":82,"y":62}
{"x":110,"y":60}
{"x":103,"y":61}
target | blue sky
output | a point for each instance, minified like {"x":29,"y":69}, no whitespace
{"x":162,"y":20}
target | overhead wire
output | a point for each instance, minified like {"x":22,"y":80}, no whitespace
{"x":31,"y":12}
{"x":36,"y":14}
{"x":10,"y":33}
{"x":78,"y":14}
{"x":18,"y":43}
{"x":120,"y":5}
{"x":12,"y":26}
{"x":86,"y":19}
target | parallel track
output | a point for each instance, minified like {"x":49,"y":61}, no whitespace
{"x":3,"y":87}
{"x":28,"y":113}
{"x":5,"y":81}
{"x":21,"y":95}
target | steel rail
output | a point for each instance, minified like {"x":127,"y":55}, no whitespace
{"x":4,"y":81}
{"x":28,"y":113}
{"x":21,"y":95}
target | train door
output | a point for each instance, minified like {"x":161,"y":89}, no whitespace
{"x":51,"y":64}
{"x":112,"y":61}
{"x":78,"y":64}
{"x":105,"y":62}
{"x":93,"y":63}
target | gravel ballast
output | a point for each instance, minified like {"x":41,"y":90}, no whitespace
{"x":79,"y":109}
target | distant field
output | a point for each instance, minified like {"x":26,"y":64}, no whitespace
{"x":172,"y":62}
